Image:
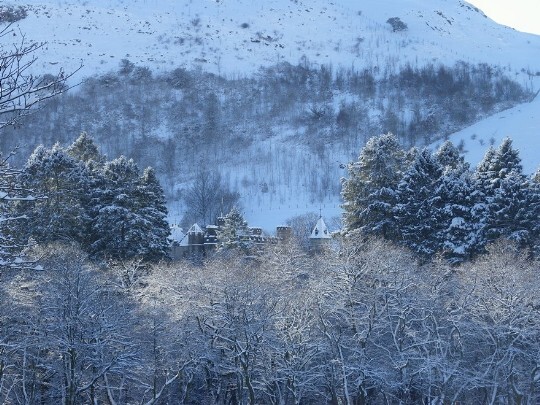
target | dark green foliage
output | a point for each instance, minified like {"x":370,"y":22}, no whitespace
{"x":415,"y":211}
{"x":369,"y":192}
{"x":115,"y":223}
{"x":62,"y":183}
{"x":107,"y":208}
{"x":483,"y":173}
{"x":153,"y":209}
{"x":449,"y":157}
{"x":535,"y":213}
{"x":499,"y":178}
{"x":513,"y":211}
{"x":439,"y":206}
{"x":458,"y":214}
{"x":496,"y":165}
{"x":12,"y":195}
{"x":84,"y":149}
{"x":128,"y":214}
{"x":536,"y":176}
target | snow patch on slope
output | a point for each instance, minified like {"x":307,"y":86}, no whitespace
{"x":237,"y":37}
{"x":521,"y":124}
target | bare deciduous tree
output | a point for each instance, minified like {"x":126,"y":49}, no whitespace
{"x":20,"y":89}
{"x":207,"y":198}
{"x":20,"y":92}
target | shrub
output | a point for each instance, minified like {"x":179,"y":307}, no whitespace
{"x":397,"y":24}
{"x":11,"y":14}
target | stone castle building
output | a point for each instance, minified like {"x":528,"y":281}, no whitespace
{"x":200,"y":242}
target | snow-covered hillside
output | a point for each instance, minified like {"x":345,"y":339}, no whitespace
{"x":237,"y":37}
{"x":521,"y":124}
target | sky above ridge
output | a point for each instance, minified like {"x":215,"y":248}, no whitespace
{"x":523,"y":15}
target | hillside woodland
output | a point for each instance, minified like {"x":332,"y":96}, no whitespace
{"x":288,"y":127}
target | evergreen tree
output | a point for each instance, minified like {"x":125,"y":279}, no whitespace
{"x":509,"y":203}
{"x":535,"y":212}
{"x":128,"y":213}
{"x":369,"y":191}
{"x":115,"y":223}
{"x":536,"y":176}
{"x":496,"y":165}
{"x":513,"y":211}
{"x":12,"y":193}
{"x":456,"y":210}
{"x":20,"y":93}
{"x":63,"y":183}
{"x":151,"y":198}
{"x":234,"y":232}
{"x":449,"y":157}
{"x":507,"y":160}
{"x":84,"y":149}
{"x":484,"y":174}
{"x":415,"y":211}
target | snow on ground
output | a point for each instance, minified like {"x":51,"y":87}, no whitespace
{"x":521,"y":124}
{"x":237,"y":37}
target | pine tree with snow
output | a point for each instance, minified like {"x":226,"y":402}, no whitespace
{"x":513,"y":211}
{"x":496,"y":165}
{"x":536,"y":176}
{"x":12,"y":193}
{"x":152,"y":207}
{"x":415,"y":212}
{"x":484,"y":173}
{"x":369,"y":191}
{"x":117,"y":229}
{"x":84,"y":149}
{"x":456,"y":210}
{"x":234,"y":232}
{"x":535,"y":211}
{"x":456,"y":207}
{"x":128,"y":213}
{"x":509,"y":205}
{"x":449,"y":157}
{"x":63,"y":183}
{"x":507,"y":160}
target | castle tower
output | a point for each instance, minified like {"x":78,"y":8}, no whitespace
{"x":320,"y":235}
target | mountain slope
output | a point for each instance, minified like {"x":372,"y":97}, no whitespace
{"x":521,"y":123}
{"x":237,"y":37}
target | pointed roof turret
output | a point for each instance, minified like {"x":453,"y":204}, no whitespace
{"x":320,"y":231}
{"x":194,"y":232}
{"x":195,"y":229}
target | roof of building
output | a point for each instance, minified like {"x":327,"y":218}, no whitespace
{"x":320,"y":231}
{"x":195,"y":229}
